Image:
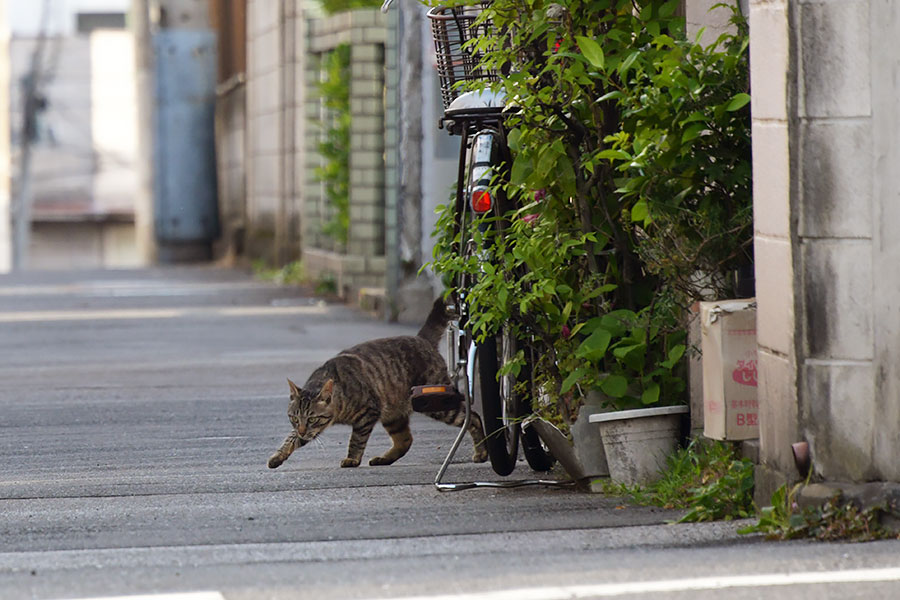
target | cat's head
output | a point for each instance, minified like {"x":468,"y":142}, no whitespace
{"x":311,"y":411}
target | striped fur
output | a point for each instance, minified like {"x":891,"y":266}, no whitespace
{"x":369,"y":383}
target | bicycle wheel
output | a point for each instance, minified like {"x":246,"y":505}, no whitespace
{"x":537,"y":455}
{"x":500,"y":411}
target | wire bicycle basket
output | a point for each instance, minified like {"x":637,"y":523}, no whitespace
{"x":451,"y":28}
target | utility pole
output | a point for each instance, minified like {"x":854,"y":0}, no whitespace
{"x":21,"y":208}
{"x":143,"y":207}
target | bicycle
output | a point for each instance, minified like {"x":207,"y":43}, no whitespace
{"x":478,"y":118}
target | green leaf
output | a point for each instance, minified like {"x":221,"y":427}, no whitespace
{"x":667,"y":9}
{"x":640,"y":211}
{"x":692,"y":132}
{"x":626,"y":64}
{"x":567,"y":310}
{"x":591,"y":50}
{"x":614,"y":154}
{"x":572,"y":379}
{"x":521,"y":170}
{"x":651,"y":394}
{"x":512,"y":139}
{"x":611,"y":95}
{"x":738,"y":102}
{"x":632,"y":356}
{"x":675,"y":355}
{"x":595,"y":345}
{"x":614,"y":386}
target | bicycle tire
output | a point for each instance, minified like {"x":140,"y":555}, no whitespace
{"x":536,"y":454}
{"x":538,"y":457}
{"x":501,"y":435}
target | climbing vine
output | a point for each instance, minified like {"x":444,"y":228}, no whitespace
{"x":334,"y":148}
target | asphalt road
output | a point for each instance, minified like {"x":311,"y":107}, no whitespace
{"x":137,"y":411}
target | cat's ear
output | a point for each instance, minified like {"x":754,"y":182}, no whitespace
{"x":327,"y":389}
{"x":295,"y":391}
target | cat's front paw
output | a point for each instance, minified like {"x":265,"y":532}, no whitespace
{"x":480,"y":455}
{"x":275,"y":460}
{"x":350,"y":462}
{"x":380,"y":460}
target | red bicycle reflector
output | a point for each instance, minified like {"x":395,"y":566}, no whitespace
{"x":481,"y":201}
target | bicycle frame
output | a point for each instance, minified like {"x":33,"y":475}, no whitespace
{"x":472,"y":169}
{"x":477,"y":117}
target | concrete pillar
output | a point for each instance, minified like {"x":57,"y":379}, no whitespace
{"x":826,"y":187}
{"x":774,"y":241}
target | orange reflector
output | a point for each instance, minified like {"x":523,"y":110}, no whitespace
{"x":434,"y":389}
{"x":481,"y":201}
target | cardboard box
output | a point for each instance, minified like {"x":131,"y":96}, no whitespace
{"x":728,"y":344}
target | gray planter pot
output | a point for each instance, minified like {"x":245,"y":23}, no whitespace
{"x":583,"y":456}
{"x":638,"y":442}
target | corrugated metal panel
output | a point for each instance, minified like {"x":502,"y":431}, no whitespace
{"x":185,"y":204}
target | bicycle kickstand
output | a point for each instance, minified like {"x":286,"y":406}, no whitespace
{"x":467,"y":400}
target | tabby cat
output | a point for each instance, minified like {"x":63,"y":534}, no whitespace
{"x":369,"y":383}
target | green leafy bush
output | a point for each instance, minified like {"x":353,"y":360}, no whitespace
{"x":631,"y":175}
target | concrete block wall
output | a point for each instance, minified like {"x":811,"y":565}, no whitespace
{"x":834,"y":231}
{"x":264,"y":125}
{"x":362,"y":263}
{"x":826,"y":133}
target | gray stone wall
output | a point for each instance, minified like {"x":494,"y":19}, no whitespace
{"x":825,"y":139}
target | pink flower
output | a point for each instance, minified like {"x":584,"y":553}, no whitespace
{"x":530,"y":219}
{"x":566,"y":332}
{"x":539,"y":195}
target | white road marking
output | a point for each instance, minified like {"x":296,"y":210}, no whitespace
{"x":176,"y":596}
{"x":605,"y":590}
{"x":155,"y":313}
{"x":112,"y":289}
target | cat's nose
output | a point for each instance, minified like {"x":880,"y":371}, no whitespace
{"x":301,"y":429}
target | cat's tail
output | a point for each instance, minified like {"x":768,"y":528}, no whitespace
{"x":436,"y":323}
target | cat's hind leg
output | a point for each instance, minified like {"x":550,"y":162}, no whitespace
{"x":291,"y":443}
{"x":402,"y":438}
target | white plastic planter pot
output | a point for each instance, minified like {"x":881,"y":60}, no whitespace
{"x":637,"y":442}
